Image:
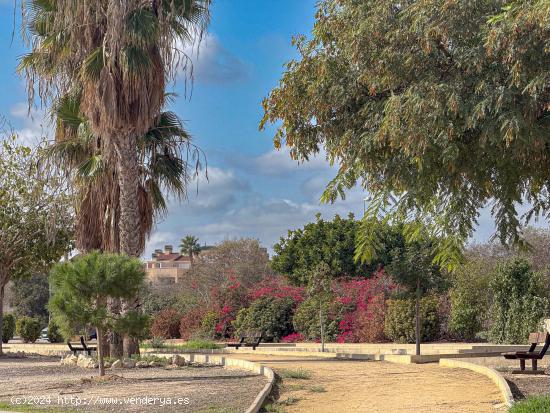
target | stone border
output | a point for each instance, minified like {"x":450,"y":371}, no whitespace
{"x":492,"y":374}
{"x":231,"y":362}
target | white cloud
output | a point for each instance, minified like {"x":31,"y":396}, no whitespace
{"x":213,"y":63}
{"x":277,"y":162}
{"x":31,"y":127}
{"x":217,"y":192}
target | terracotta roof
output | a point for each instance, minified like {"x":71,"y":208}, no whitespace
{"x":175,"y":256}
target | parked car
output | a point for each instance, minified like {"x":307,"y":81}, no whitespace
{"x":44,"y":334}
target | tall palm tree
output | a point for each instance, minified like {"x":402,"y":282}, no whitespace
{"x":165,"y":153}
{"x":190,"y":245}
{"x":113,"y":58}
{"x":117,"y":55}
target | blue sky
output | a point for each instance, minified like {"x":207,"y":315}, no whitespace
{"x":252,"y":191}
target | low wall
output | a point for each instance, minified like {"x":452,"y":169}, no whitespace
{"x":492,"y":374}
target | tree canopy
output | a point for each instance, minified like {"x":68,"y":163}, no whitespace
{"x":437,"y":108}
{"x":82,"y":288}
{"x":35,"y":215}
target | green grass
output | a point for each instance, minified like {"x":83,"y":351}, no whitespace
{"x":278,"y":406}
{"x":217,"y":409}
{"x":190,"y":345}
{"x":299,"y":374}
{"x":317,"y":389}
{"x":274,"y":408}
{"x":534,"y":404}
{"x":28,"y":408}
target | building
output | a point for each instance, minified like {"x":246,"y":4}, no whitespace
{"x":166,"y":267}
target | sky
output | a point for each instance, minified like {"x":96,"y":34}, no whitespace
{"x":252,"y":190}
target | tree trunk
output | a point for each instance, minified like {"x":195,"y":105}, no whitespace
{"x":100,"y":349}
{"x":322,"y":326}
{"x":417,"y":317}
{"x":115,"y":339}
{"x":1,"y":316}
{"x":128,"y":176}
{"x":130,"y":231}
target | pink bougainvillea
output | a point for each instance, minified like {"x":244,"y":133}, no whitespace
{"x":293,"y":338}
{"x":276,"y":287}
{"x":364,"y":307}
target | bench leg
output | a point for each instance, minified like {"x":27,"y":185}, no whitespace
{"x":522,"y":364}
{"x":534,"y":364}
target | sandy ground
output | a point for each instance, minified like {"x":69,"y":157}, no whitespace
{"x":522,"y":385}
{"x":207,"y":389}
{"x":367,"y":386}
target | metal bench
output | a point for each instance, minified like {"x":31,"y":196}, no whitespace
{"x":531,"y":354}
{"x":251,"y":339}
{"x":83,"y":348}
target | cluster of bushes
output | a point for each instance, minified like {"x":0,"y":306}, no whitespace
{"x":28,"y":328}
{"x":502,"y":305}
{"x":357,"y":310}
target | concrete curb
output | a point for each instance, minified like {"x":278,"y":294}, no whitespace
{"x":492,"y":374}
{"x":231,"y":362}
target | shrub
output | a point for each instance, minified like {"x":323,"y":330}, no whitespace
{"x":369,"y":323}
{"x":364,"y":307}
{"x":191,"y":323}
{"x":157,"y":342}
{"x":469,"y":300}
{"x":399,"y":325}
{"x":8,"y":327}
{"x":272,"y":316}
{"x":166,"y":324}
{"x":54,"y":334}
{"x":208,"y":325}
{"x":518,"y":302}
{"x":306,"y":320}
{"x":293,"y":338}
{"x":28,"y":329}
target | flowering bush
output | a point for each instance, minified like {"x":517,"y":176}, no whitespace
{"x":277,"y":287}
{"x":364,"y":308}
{"x":191,"y":322}
{"x":166,"y":324}
{"x":293,"y":338}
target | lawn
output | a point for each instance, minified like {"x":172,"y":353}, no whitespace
{"x":533,"y":404}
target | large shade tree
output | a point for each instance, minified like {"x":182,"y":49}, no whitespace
{"x":35,"y":216}
{"x":436,"y":108}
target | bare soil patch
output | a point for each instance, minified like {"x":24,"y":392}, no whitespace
{"x":206,"y":388}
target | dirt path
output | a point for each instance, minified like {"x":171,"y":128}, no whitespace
{"x":366,"y":386}
{"x":42,"y":382}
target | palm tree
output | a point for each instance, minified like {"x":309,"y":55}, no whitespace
{"x":112,"y":60}
{"x":190,"y":245}
{"x":165,"y":153}
{"x":117,"y":57}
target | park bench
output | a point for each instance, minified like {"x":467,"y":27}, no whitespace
{"x":83,"y":348}
{"x":531,"y":354}
{"x":250,"y":339}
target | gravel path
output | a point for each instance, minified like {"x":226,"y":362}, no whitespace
{"x":187,"y":389}
{"x":365,"y":386}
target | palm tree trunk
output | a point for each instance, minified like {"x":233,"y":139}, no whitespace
{"x":128,"y":175}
